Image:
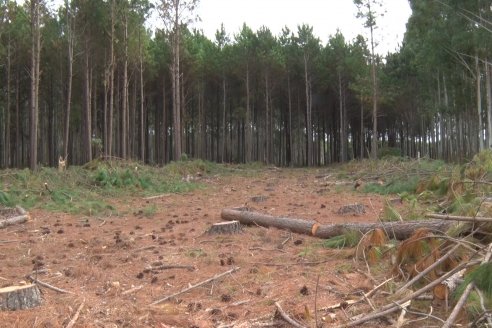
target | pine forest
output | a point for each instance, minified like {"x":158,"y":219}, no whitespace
{"x":93,"y":79}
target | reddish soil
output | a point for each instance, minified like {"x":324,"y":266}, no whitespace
{"x":103,"y":261}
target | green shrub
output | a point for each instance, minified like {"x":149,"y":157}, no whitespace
{"x":5,"y":199}
{"x":389,"y":152}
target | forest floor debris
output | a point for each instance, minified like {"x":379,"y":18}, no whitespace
{"x":115,"y":268}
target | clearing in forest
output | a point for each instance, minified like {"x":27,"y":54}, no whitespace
{"x":118,"y":259}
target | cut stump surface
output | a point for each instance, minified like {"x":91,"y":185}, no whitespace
{"x":20,"y":297}
{"x":229,"y":227}
{"x":11,"y":216}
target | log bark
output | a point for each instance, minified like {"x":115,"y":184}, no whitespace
{"x":396,"y":230}
{"x":19,"y":297}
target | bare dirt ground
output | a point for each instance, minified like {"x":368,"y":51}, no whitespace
{"x":104,"y":261}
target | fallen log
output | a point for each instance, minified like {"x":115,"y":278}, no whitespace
{"x":397,"y":230}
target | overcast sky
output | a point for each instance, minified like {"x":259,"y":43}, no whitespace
{"x":324,"y":15}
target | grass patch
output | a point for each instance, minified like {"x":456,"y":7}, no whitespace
{"x":89,"y":189}
{"x":149,"y":211}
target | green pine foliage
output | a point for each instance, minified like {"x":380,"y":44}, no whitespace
{"x":348,"y":239}
{"x":396,"y":186}
{"x":482,"y":278}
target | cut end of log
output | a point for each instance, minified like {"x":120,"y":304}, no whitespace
{"x":229,"y":227}
{"x":20,"y":297}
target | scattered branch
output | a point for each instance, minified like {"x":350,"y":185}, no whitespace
{"x":216,"y":277}
{"x":76,"y":316}
{"x":352,"y":302}
{"x":290,"y":264}
{"x":171,"y":266}
{"x":458,"y":218}
{"x":461,"y":302}
{"x":390,"y":308}
{"x":342,"y":304}
{"x":156,"y":196}
{"x":132,"y":290}
{"x":286,"y":317}
{"x":43,"y":284}
{"x":428,"y":269}
{"x":8,"y":241}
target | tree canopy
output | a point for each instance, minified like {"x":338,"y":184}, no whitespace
{"x":107,"y":85}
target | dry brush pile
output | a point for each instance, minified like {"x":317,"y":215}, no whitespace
{"x":442,"y":277}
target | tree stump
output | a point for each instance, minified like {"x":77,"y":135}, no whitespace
{"x":20,"y":297}
{"x":230,"y":227}
{"x":353,"y":209}
{"x":11,"y":216}
{"x":259,"y":199}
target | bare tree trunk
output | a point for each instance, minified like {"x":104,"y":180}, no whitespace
{"x":374,"y":146}
{"x":444,"y":139}
{"x":86,"y":136}
{"x":124,"y":107}
{"x":109,"y":137}
{"x":479,"y":103}
{"x":291,"y":144}
{"x":164,"y":122}
{"x":176,"y":85}
{"x":248,"y":142}
{"x":362,"y":145}
{"x":309,"y":128}
{"x":342,"y":120}
{"x":489,"y":104}
{"x":142,"y":122}
{"x":201,"y":151}
{"x":8,"y":158}
{"x":35,"y":54}
{"x":223,"y":128}
{"x":18,"y":141}
{"x":268,"y":130}
{"x":132,"y":121}
{"x":105,"y":110}
{"x":70,"y":40}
